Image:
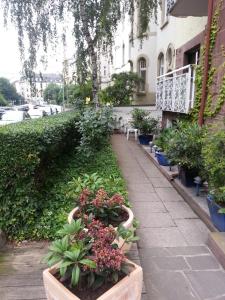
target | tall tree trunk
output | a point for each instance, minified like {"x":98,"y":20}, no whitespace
{"x":91,"y":51}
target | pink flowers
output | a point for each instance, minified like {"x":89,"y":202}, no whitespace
{"x":109,"y":258}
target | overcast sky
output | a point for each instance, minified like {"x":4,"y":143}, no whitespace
{"x":10,"y":64}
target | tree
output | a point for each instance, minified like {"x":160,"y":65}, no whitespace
{"x":122,"y":90}
{"x":95,"y":22}
{"x":53,"y":93}
{"x":3,"y":102}
{"x":9,"y":91}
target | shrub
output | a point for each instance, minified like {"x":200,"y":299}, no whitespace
{"x":185,"y":146}
{"x":165,"y":137}
{"x":95,"y":127}
{"x":122,"y":90}
{"x":213,"y":154}
{"x":28,"y":152}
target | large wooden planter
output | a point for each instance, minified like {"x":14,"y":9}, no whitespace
{"x":129,"y":288}
{"x":125,"y":247}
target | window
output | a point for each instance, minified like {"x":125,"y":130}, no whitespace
{"x":161,"y":64}
{"x":164,"y":14}
{"x":131,"y":66}
{"x":170,"y":53}
{"x":142,"y":73}
{"x":123,"y":55}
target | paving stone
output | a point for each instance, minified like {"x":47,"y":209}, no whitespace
{"x":161,"y":182}
{"x":136,"y":196}
{"x":160,"y":237}
{"x":171,"y":263}
{"x":154,"y":220}
{"x":170,"y":286}
{"x":180,"y":210}
{"x":205,"y":262}
{"x":136,"y":178}
{"x":149,"y":207}
{"x":142,"y":187}
{"x":194,"y":231}
{"x":168,"y":194}
{"x":186,"y":251}
{"x":208,"y":284}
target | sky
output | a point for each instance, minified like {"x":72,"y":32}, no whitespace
{"x":10,"y":64}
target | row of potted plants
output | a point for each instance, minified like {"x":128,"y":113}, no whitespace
{"x":198,"y":152}
{"x":88,"y":261}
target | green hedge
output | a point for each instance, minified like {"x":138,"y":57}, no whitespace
{"x":28,"y":153}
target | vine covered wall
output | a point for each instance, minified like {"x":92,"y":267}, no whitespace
{"x":215,"y":103}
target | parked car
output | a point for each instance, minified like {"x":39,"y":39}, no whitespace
{"x":35,"y":113}
{"x":11,"y":116}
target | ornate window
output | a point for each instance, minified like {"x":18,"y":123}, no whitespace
{"x":142,"y":73}
{"x":164,"y":12}
{"x":161,"y":63}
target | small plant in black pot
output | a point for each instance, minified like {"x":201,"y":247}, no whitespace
{"x":184,"y":149}
{"x":214,"y":163}
{"x":146,"y":125}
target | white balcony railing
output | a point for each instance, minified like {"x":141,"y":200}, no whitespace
{"x":175,"y":90}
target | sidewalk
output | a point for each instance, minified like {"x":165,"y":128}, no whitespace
{"x":176,"y":261}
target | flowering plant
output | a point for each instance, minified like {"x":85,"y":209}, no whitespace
{"x":102,"y":207}
{"x":87,"y":257}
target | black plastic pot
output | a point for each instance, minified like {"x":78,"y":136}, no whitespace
{"x":187,"y":176}
{"x":145,"y":139}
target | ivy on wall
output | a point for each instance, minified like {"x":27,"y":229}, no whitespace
{"x":211,"y":108}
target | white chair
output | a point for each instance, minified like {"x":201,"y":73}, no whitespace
{"x":130,"y":129}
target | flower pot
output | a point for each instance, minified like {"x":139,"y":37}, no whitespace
{"x":162,"y":159}
{"x":145,"y":139}
{"x":217,"y":218}
{"x":187,"y":176}
{"x":125,"y":247}
{"x":128,"y":288}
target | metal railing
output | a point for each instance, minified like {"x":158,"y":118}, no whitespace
{"x":175,"y":90}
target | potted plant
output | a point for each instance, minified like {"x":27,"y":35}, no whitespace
{"x":109,"y":210}
{"x":184,"y":149}
{"x":162,"y":142}
{"x":146,"y":125}
{"x":214,"y":163}
{"x":84,"y":264}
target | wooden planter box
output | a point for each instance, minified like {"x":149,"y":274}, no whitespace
{"x":128,"y":225}
{"x":129,"y":288}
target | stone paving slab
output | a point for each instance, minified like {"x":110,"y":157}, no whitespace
{"x":176,"y":262}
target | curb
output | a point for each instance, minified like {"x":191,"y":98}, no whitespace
{"x":183,"y":192}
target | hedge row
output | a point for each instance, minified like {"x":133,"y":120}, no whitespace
{"x":28,"y":153}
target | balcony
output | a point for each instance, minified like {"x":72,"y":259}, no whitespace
{"x":176,"y":90}
{"x":185,"y":8}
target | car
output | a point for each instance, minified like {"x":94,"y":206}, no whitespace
{"x":12,"y":116}
{"x":35,"y":113}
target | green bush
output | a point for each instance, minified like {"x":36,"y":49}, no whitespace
{"x":141,"y":120}
{"x":165,"y":137}
{"x":28,"y":152}
{"x":95,"y":127}
{"x":185,"y":145}
{"x":213,"y":154}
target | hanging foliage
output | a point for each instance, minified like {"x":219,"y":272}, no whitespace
{"x":95,"y":22}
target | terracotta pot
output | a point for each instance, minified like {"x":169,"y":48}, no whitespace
{"x":128,"y":288}
{"x":125,"y":247}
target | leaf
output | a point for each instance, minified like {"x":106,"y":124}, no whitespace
{"x":98,"y":282}
{"x":90,"y":263}
{"x":73,"y":255}
{"x":91,"y":279}
{"x":75,"y":276}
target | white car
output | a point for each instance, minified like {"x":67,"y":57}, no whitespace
{"x":11,"y":116}
{"x":35,"y":113}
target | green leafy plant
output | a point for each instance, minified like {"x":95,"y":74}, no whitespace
{"x":95,"y":127}
{"x":185,"y":146}
{"x":94,"y":182}
{"x":141,"y":120}
{"x":213,"y":153}
{"x":122,"y":89}
{"x":88,"y":258}
{"x":164,"y":138}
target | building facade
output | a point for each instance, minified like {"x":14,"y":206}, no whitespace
{"x":164,"y":58}
{"x":34,"y":92}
